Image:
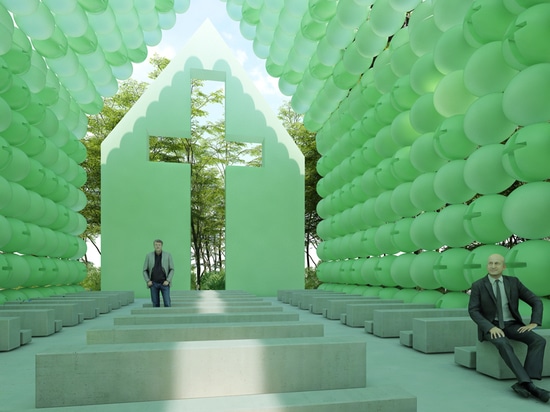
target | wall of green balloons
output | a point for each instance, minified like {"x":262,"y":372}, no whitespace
{"x":427,"y":113}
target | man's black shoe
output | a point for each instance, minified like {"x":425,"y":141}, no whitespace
{"x":521,"y":390}
{"x":541,"y":394}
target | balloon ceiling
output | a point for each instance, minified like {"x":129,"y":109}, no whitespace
{"x":432,"y":119}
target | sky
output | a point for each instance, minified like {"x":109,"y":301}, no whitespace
{"x":174,"y":39}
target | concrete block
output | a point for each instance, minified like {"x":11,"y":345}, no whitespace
{"x":335,"y":307}
{"x":66,"y":312}
{"x":213,"y":331}
{"x":406,"y":338}
{"x":466,"y":356}
{"x":40,"y":321}
{"x":369,"y":326}
{"x":205,"y":309}
{"x":296,"y":296}
{"x":119,"y":373}
{"x":10,"y":329}
{"x":88,"y":306}
{"x":102,"y":302}
{"x":389,"y":322}
{"x":306,"y":301}
{"x":343,"y":318}
{"x":58,"y":325}
{"x":228,"y":303}
{"x":442,"y":335}
{"x":321,"y":302}
{"x":205,"y":318}
{"x":26,"y":336}
{"x":357,"y":314}
{"x":489,"y":362}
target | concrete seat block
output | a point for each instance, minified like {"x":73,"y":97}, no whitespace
{"x":120,"y":373}
{"x":26,"y":336}
{"x":336,"y":307}
{"x":379,"y":399}
{"x":369,"y":326}
{"x":177,"y":304}
{"x":321,"y":302}
{"x":42,"y":322}
{"x":297,"y":296}
{"x":102,"y":303}
{"x":66,"y":312}
{"x":305,"y":299}
{"x":87,"y":306}
{"x":442,"y":335}
{"x":10,"y":330}
{"x":205,"y":309}
{"x":489,"y":362}
{"x":214,"y":331}
{"x":205,"y":318}
{"x":406,"y":338}
{"x":58,"y":325}
{"x":343,"y":318}
{"x":389,"y":322}
{"x":466,"y":356}
{"x":357,"y":314}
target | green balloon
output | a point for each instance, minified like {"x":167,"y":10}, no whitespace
{"x":486,"y":21}
{"x":384,"y":144}
{"x":388,"y":293}
{"x":530,"y":261}
{"x":402,"y":96}
{"x":403,"y":133}
{"x":368,"y":271}
{"x":524,"y":156}
{"x":383,"y":271}
{"x":449,"y":269}
{"x":451,"y":96}
{"x":422,"y":270}
{"x":450,"y":14}
{"x":427,"y":296}
{"x":525,"y":210}
{"x":423,"y":154}
{"x":401,"y":235}
{"x":485,"y":122}
{"x":453,"y":300}
{"x":484,"y":172}
{"x":483,"y":219}
{"x":449,"y":227}
{"x":526,"y":98}
{"x":400,"y":270}
{"x":451,"y":52}
{"x":487,"y":71}
{"x":382,"y":207}
{"x":383,"y":239}
{"x":450,"y":141}
{"x":402,"y":167}
{"x":424,"y":75}
{"x":406,"y":295}
{"x":449,"y":183}
{"x":384,"y":176}
{"x":401,"y":202}
{"x":423,"y":234}
{"x":424,"y":116}
{"x":423,"y":195}
{"x":424,"y":35}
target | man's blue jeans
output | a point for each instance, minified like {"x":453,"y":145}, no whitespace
{"x":158,"y":288}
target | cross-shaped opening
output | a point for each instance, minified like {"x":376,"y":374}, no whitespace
{"x":209,"y":153}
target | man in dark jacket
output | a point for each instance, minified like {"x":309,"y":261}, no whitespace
{"x":494,"y":306}
{"x":158,"y":270}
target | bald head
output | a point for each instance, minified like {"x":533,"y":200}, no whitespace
{"x":495,"y":265}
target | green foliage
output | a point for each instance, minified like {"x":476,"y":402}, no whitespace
{"x":305,"y":140}
{"x":213,"y":280}
{"x":93,"y":278}
{"x":311,"y":280}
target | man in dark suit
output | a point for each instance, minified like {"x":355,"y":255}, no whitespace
{"x":494,"y":302}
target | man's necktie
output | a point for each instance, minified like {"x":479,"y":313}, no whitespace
{"x":499,"y":305}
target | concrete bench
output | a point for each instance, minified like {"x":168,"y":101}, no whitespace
{"x":212,"y":331}
{"x":297,"y":297}
{"x":489,"y":362}
{"x":42,"y":322}
{"x":205,"y":318}
{"x":67,"y":313}
{"x":117,"y":373}
{"x":206,"y":298}
{"x":10,"y":333}
{"x":387,"y":323}
{"x":380,"y":399}
{"x":204,"y":309}
{"x":306,"y":301}
{"x":318,"y":303}
{"x":336,"y":307}
{"x":285,"y":295}
{"x":176,"y":304}
{"x":406,"y":338}
{"x":357,"y":314}
{"x":102,"y":302}
{"x":466,"y":356}
{"x":88,"y":306}
{"x":442,"y":335}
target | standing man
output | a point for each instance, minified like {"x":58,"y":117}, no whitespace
{"x":158,"y":271}
{"x":494,"y":307}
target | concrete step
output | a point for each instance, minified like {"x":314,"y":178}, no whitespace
{"x":205,"y":318}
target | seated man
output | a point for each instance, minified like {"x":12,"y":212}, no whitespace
{"x":493,"y":306}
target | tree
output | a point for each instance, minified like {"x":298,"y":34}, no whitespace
{"x":305,"y":140}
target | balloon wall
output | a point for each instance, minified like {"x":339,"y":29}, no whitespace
{"x":58,"y":59}
{"x":432,"y":119}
